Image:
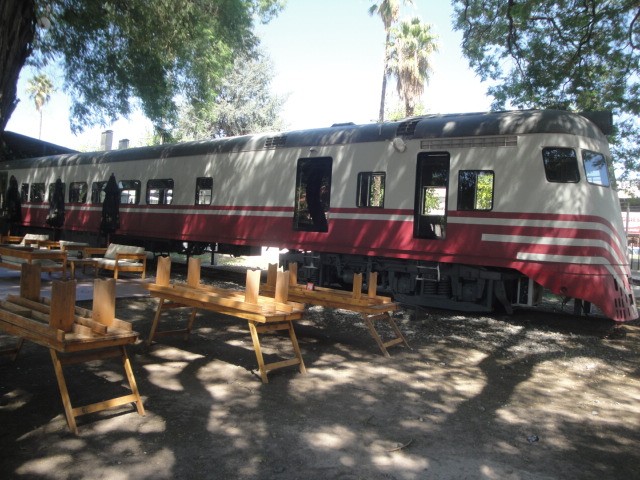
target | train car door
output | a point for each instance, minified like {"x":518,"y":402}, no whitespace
{"x":432,"y":187}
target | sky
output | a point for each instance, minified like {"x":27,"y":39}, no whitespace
{"x":327,"y":57}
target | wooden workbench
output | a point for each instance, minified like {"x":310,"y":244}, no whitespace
{"x":263,"y":314}
{"x":72,"y":334}
{"x":372,"y":308}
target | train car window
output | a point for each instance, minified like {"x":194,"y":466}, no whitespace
{"x":371,"y":189}
{"x":78,"y":192}
{"x":561,"y":164}
{"x":130,"y":192}
{"x":52,"y":187}
{"x":596,"y":168}
{"x":204,"y":190}
{"x":475,"y":190}
{"x":160,"y":191}
{"x":37,"y":193}
{"x":97,"y":192}
{"x":312,"y":194}
{"x":24,"y":193}
{"x":432,"y":186}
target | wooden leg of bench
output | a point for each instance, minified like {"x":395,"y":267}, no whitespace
{"x":192,"y":319}
{"x":272,"y":327}
{"x":258,"y":350}
{"x":132,"y":380}
{"x":156,"y":318}
{"x":64,"y":392}
{"x":164,"y":304}
{"x":296,"y":347}
{"x":369,"y":321}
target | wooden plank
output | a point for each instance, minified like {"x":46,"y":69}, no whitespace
{"x":357,"y":286}
{"x":293,"y":273}
{"x":282,"y":287}
{"x":104,"y":301}
{"x":63,"y":301}
{"x":34,"y":327}
{"x":30,"y":281}
{"x":84,"y":316}
{"x":181,"y":294}
{"x":163,"y":271}
{"x":252,"y":287}
{"x":372,"y":284}
{"x":272,"y":273}
{"x":193,"y":272}
{"x":30,"y":304}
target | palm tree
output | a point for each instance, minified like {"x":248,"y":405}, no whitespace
{"x":412,"y":44}
{"x":40,"y":89}
{"x":388,"y":11}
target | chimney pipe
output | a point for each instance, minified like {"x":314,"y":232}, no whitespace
{"x":123,"y":144}
{"x":106,"y":140}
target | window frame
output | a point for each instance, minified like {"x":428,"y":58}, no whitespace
{"x":80,"y":192}
{"x":126,"y":186}
{"x":164,"y":187}
{"x":97,"y":192}
{"x":34,"y":189}
{"x":303,"y":217}
{"x":365,"y":189}
{"x":604,"y":168}
{"x":200,"y":188}
{"x":476,"y":173}
{"x":24,"y":196}
{"x":551,"y":169}
{"x":52,"y":187}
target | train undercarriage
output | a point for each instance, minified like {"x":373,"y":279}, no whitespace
{"x":430,"y":284}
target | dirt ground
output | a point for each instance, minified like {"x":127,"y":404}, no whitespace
{"x":528,"y":396}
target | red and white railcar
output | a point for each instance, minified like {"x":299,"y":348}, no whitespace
{"x":457,"y":211}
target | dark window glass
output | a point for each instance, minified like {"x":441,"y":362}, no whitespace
{"x":160,"y":191}
{"x":475,"y":190}
{"x":37,"y":193}
{"x":371,"y":189}
{"x":97,"y":192}
{"x":595,"y":166}
{"x":204,"y":190}
{"x":432,"y":187}
{"x":52,"y":187}
{"x":130,"y":192}
{"x":24,"y":193}
{"x":561,"y":164}
{"x":312,"y":194}
{"x":78,"y":192}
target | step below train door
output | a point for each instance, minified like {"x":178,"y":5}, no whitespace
{"x":432,"y":186}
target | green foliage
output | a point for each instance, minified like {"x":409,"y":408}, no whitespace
{"x":154,"y":51}
{"x":567,"y":54}
{"x":484,"y":191}
{"x":40,"y":89}
{"x":412,"y":44}
{"x":243,"y":104}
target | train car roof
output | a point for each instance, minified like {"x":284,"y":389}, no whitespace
{"x":518,"y":122}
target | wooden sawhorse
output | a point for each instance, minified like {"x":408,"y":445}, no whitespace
{"x":373,"y":308}
{"x":72,"y":334}
{"x":263,"y":314}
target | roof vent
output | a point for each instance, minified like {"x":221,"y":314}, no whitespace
{"x":275,"y":142}
{"x":408,"y":128}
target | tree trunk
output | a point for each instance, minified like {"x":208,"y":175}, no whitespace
{"x":17,"y":33}
{"x":385,"y":74}
{"x":382,"y":95}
